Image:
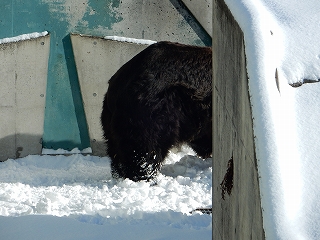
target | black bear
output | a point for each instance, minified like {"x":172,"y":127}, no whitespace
{"x":161,"y":98}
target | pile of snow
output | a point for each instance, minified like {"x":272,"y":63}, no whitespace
{"x":77,"y":195}
{"x":282,"y":36}
{"x":24,"y":37}
{"x":59,"y":151}
{"x":130,"y":40}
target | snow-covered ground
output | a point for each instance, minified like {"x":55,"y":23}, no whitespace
{"x":75,"y":197}
{"x":284,"y":35}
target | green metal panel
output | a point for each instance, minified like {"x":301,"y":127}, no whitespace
{"x":65,"y":124}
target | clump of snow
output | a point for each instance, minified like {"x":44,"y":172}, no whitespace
{"x":24,"y":37}
{"x":82,"y":193}
{"x":282,"y":36}
{"x":46,"y":151}
{"x":130,"y":40}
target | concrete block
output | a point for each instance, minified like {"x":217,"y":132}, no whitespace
{"x":202,"y":10}
{"x":154,"y":19}
{"x":7,"y":133}
{"x":23,"y":77}
{"x":237,"y":215}
{"x":97,"y":59}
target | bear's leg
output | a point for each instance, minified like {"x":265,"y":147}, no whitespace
{"x":202,"y":146}
{"x":105,"y":119}
{"x":137,"y":151}
{"x":126,"y":163}
{"x":134,"y":161}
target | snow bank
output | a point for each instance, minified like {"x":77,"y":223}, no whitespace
{"x":24,"y":37}
{"x":172,"y":225}
{"x":81,"y":191}
{"x":130,"y":40}
{"x":62,"y":151}
{"x":281,"y":49}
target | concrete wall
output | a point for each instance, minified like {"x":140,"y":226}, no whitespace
{"x":23,"y":77}
{"x":65,"y":124}
{"x":236,"y":197}
{"x":97,"y":59}
{"x":202,"y":10}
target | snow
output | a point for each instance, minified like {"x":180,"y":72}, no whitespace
{"x":130,"y":40}
{"x":282,"y":36}
{"x":24,"y":37}
{"x":75,"y":197}
{"x":63,"y":151}
{"x":51,"y":227}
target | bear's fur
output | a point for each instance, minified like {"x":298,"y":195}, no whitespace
{"x":159,"y":99}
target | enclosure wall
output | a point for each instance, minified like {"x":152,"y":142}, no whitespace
{"x":236,"y":196}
